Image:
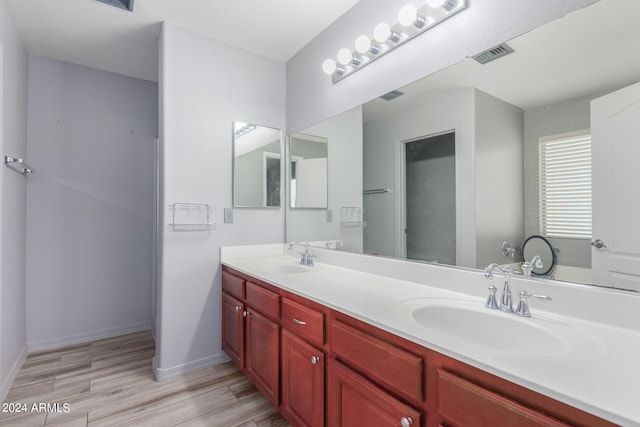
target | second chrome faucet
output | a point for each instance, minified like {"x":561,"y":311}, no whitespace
{"x":506,"y":301}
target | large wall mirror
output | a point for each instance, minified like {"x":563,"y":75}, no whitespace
{"x":451,"y":166}
{"x":257,"y":166}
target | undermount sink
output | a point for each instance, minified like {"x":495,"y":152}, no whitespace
{"x":282,"y":267}
{"x":469,"y":322}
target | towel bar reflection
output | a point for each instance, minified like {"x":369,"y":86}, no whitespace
{"x":18,"y":165}
{"x":377,"y":191}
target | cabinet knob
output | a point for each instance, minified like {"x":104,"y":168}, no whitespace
{"x":314,"y":360}
{"x":245,"y":313}
{"x":238,"y":308}
{"x":406,"y":421}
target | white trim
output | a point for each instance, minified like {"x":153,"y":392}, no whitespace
{"x":162,"y":374}
{"x":8,"y":382}
{"x":86,"y":337}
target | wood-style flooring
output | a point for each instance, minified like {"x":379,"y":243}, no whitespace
{"x":110,"y":383}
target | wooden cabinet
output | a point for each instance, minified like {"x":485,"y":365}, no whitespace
{"x":262,"y":358}
{"x":354,"y":401}
{"x":463,"y":403}
{"x":396,"y":369}
{"x":302,"y":381}
{"x":355,"y":374}
{"x":233,"y":328}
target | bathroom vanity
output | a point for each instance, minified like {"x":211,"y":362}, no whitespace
{"x":351,"y":341}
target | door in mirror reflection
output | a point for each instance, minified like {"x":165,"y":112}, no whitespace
{"x":257,"y":158}
{"x":430,"y":194}
{"x":308,"y":156}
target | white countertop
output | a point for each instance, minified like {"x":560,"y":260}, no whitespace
{"x":600,"y":375}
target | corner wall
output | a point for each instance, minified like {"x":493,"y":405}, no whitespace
{"x":13,"y":141}
{"x":205,"y":85}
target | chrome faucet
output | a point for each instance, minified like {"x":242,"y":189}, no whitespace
{"x":523,"y":305}
{"x":306,"y":256}
{"x":506,"y":302}
{"x":528,"y":266}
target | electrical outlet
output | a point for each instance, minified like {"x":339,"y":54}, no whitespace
{"x":228,"y":215}
{"x":329,"y":215}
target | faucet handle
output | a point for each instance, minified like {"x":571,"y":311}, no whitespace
{"x":491,"y":300}
{"x":523,"y":304}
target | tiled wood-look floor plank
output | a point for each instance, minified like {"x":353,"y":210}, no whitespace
{"x":109,"y":383}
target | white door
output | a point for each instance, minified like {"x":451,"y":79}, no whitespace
{"x":311,"y":183}
{"x":615,"y":131}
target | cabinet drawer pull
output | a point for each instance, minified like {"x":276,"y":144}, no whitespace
{"x":314,"y":360}
{"x":299,"y":322}
{"x":406,"y":421}
{"x":238,"y":308}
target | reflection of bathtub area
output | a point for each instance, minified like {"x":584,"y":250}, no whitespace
{"x":573,"y":274}
{"x":564,"y":273}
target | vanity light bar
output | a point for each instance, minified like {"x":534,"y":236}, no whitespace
{"x":412,"y":22}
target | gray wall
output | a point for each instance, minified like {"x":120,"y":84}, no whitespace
{"x":13,"y":141}
{"x":205,"y":85}
{"x":90,"y":207}
{"x":499,"y":128}
{"x":554,"y":119}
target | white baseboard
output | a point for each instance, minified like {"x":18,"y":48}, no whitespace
{"x":8,"y":382}
{"x":162,"y":374}
{"x":86,"y":337}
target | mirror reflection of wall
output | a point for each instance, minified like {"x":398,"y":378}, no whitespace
{"x":343,"y":136}
{"x":546,"y":88}
{"x":257,"y":165}
{"x":308,"y":156}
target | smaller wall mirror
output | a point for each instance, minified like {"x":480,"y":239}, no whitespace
{"x":257,"y":154}
{"x":308,"y":161}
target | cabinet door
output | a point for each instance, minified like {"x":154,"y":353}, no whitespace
{"x":233,"y":328}
{"x":302,"y":381}
{"x":262,"y":354}
{"x":354,"y":401}
{"x":462,"y":403}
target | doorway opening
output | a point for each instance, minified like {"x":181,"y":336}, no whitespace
{"x":430,"y":198}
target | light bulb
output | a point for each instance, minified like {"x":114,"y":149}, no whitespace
{"x":329,"y":66}
{"x":408,"y":15}
{"x":345,"y":56}
{"x":363,"y":44}
{"x":383,"y":32}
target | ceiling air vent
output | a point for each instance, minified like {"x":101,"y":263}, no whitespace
{"x":493,"y":53}
{"x":122,"y":4}
{"x":392,"y":95}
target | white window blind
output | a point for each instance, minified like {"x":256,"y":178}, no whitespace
{"x":565,"y":186}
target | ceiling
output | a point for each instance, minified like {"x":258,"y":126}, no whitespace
{"x":95,"y":34}
{"x":586,"y":52}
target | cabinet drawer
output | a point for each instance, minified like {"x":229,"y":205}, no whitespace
{"x":263,"y":300}
{"x":463,"y":403}
{"x":303,"y":321}
{"x":233,"y":285}
{"x":384,"y":363}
